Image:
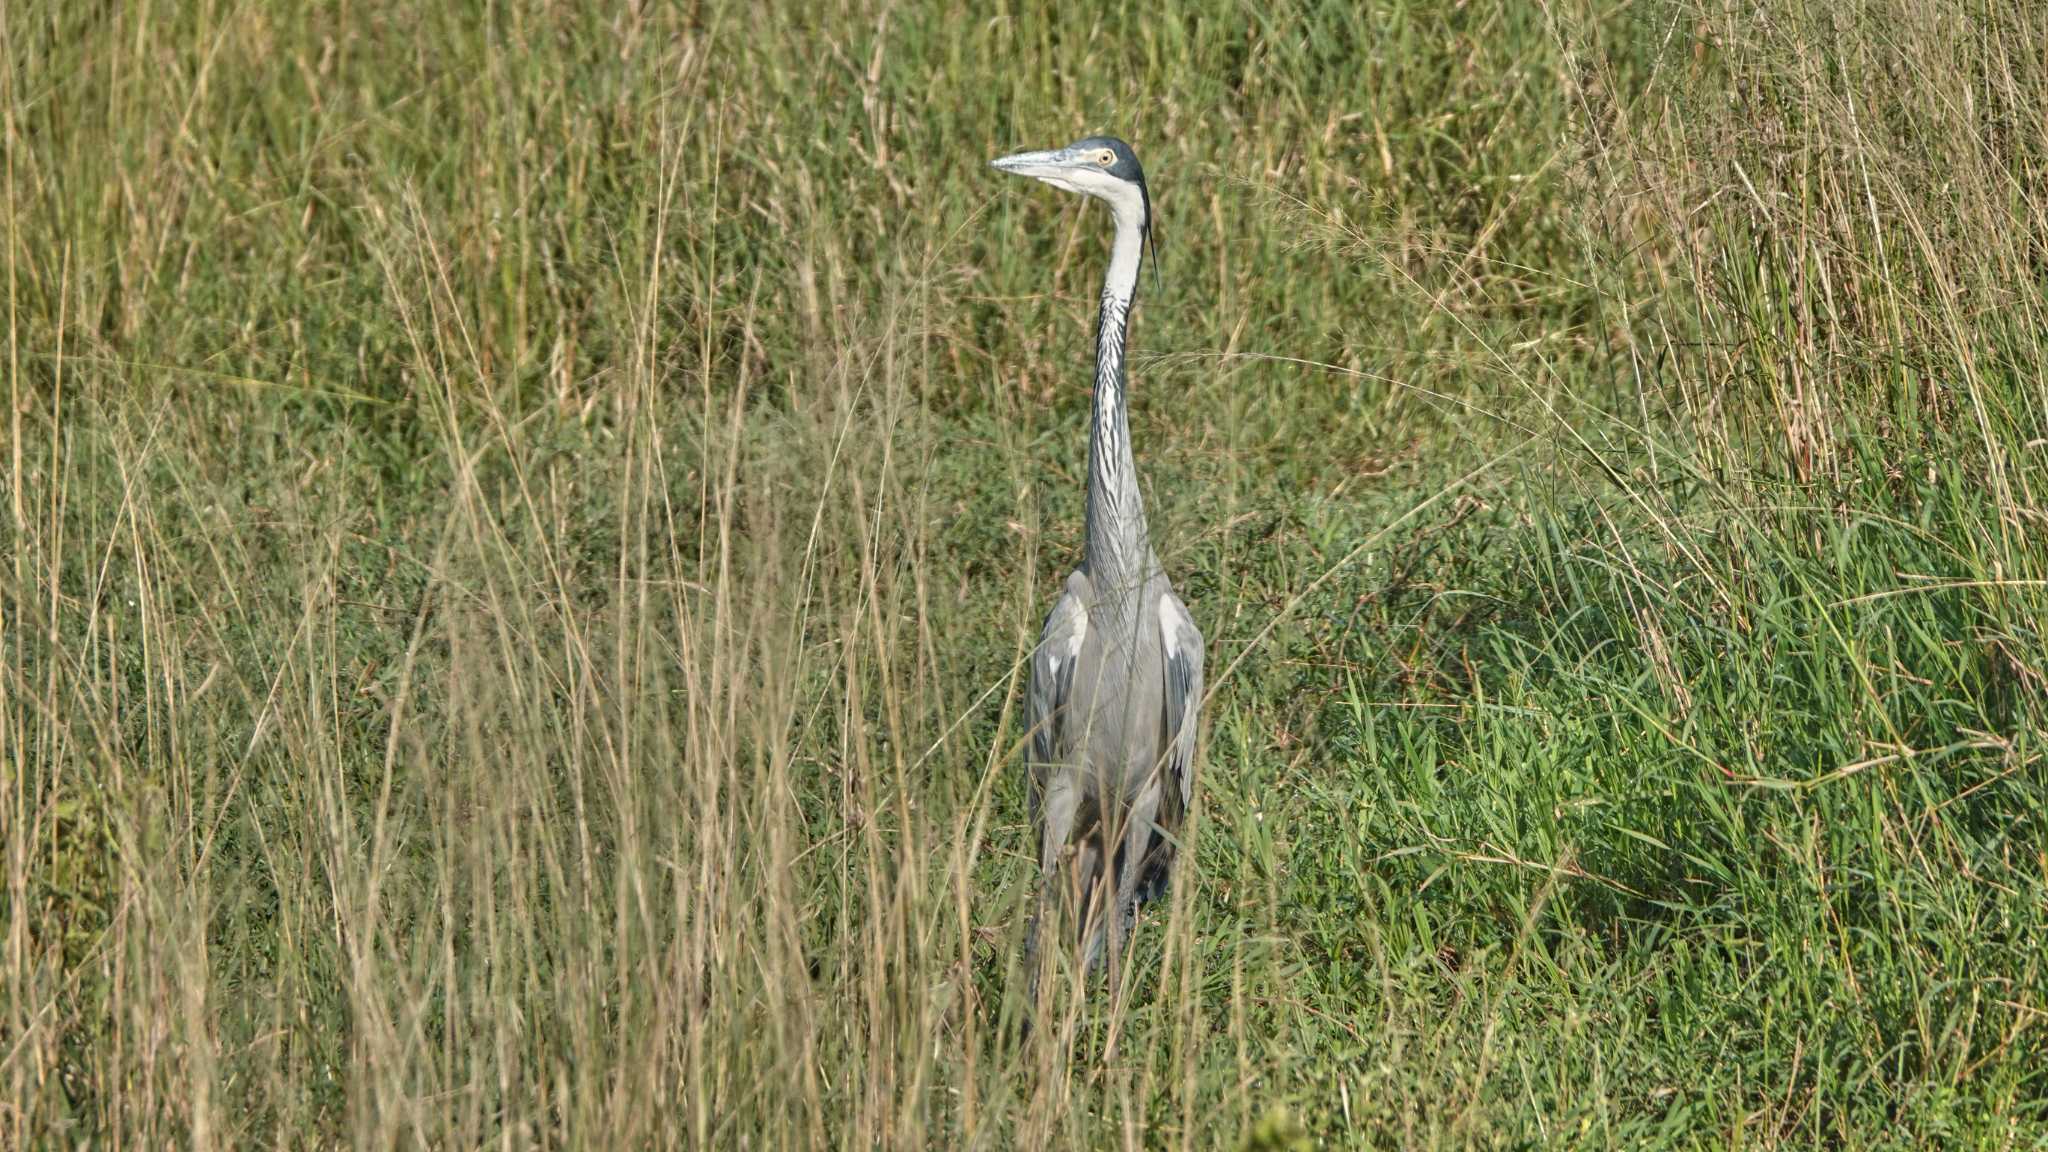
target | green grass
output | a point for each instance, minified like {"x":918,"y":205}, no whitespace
{"x":522,"y":524}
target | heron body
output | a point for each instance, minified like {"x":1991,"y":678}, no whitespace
{"x":1116,"y":680}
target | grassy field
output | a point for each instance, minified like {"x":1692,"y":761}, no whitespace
{"x":523,"y":521}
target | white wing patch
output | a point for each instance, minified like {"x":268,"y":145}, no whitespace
{"x":1076,"y":622}
{"x":1180,"y":691}
{"x":1052,"y":674}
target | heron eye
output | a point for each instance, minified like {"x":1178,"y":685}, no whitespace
{"x":1105,"y":158}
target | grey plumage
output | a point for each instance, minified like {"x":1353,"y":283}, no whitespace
{"x":1116,"y":680}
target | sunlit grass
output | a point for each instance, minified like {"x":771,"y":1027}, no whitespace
{"x":522,"y":527}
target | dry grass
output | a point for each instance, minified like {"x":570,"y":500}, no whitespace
{"x":522,"y":529}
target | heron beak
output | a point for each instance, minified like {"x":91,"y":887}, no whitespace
{"x":1035,"y":164}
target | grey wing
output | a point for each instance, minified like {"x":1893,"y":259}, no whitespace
{"x":1181,"y":650}
{"x":1052,"y":681}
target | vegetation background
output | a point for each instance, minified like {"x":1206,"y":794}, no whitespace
{"x":523,"y":520}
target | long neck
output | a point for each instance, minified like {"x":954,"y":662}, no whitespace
{"x":1118,"y":546}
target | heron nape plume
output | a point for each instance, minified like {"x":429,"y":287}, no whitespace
{"x":1116,"y":680}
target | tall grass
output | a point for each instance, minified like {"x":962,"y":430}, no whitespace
{"x":523,"y":525}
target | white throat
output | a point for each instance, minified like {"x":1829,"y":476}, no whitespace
{"x":1118,"y":542}
{"x":1128,"y":249}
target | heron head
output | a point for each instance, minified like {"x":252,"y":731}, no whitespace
{"x":1100,"y":166}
